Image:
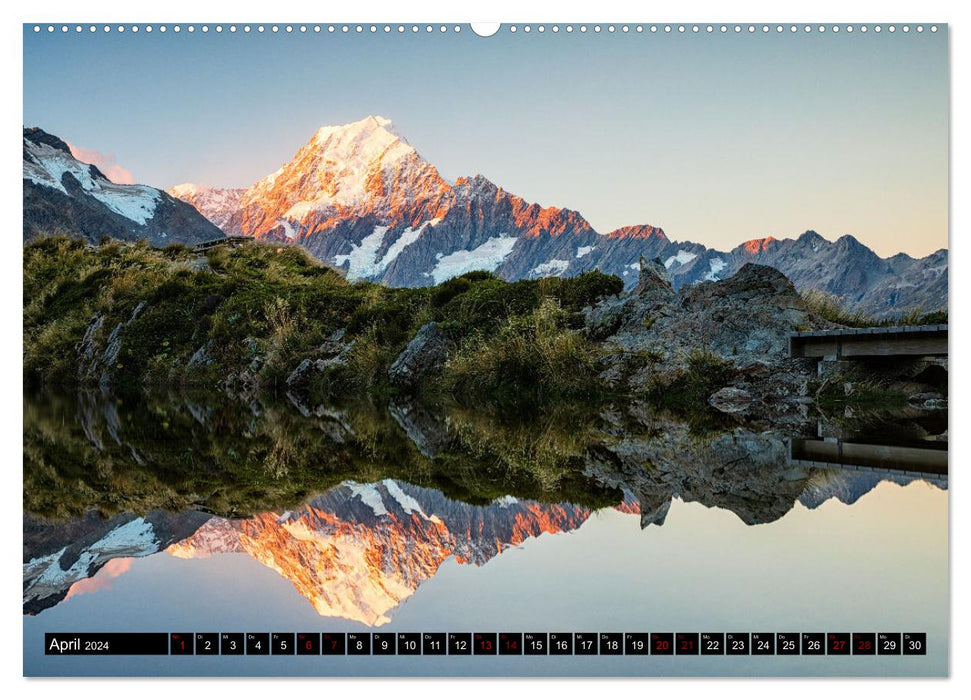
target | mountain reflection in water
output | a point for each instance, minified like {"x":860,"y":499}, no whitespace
{"x":398,"y":492}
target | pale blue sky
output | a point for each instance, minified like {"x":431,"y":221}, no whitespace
{"x":715,"y":138}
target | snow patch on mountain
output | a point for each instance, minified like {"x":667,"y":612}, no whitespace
{"x":135,"y":538}
{"x":48,"y":165}
{"x":551,"y":267}
{"x":715,"y":265}
{"x":288,"y":229}
{"x":408,"y":504}
{"x":361,"y":259}
{"x":407,"y":237}
{"x":487,"y":256}
{"x":682,"y":257}
{"x":584,"y":250}
{"x":135,"y":535}
{"x":505,"y":501}
{"x":369,"y":495}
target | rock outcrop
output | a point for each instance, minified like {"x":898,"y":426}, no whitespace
{"x":745,"y":318}
{"x":98,"y":359}
{"x":332,"y":353}
{"x":426,"y":351}
{"x":742,"y":471}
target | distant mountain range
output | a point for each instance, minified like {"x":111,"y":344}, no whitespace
{"x":62,"y":194}
{"x":360,"y":198}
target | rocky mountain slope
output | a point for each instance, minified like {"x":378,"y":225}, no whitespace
{"x":361,"y":198}
{"x":215,"y":203}
{"x":63,"y":194}
{"x":59,"y":554}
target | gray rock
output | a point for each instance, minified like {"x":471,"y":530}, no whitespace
{"x":427,"y":350}
{"x":653,"y":279}
{"x":730,"y":400}
{"x":424,"y":427}
{"x":200,"y":358}
{"x":332,"y":353}
{"x":88,"y":349}
{"x":746,"y":318}
{"x":742,"y":471}
{"x":96,"y":362}
{"x":301,"y":374}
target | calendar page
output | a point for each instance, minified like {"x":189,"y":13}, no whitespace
{"x":485,"y":350}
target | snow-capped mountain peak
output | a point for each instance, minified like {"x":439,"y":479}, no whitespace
{"x":215,"y":203}
{"x":48,"y":160}
{"x":361,"y":169}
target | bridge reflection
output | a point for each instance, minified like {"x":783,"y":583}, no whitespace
{"x":925,"y":459}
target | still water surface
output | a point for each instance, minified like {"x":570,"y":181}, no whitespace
{"x":750,"y":545}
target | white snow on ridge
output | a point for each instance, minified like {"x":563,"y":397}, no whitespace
{"x":135,"y":538}
{"x":551,"y":267}
{"x":135,"y":202}
{"x":288,"y":230}
{"x":370,"y":495}
{"x":409,"y":504}
{"x":363,"y":257}
{"x":715,"y":265}
{"x":487,"y":256}
{"x":136,"y":535}
{"x":583,"y":250}
{"x":683,"y":257}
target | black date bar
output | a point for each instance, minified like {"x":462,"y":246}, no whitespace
{"x":106,"y":643}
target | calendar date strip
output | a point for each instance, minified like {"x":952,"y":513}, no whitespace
{"x":485,"y":644}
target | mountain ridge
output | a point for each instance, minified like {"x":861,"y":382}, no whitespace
{"x":61,"y":192}
{"x":361,"y":198}
{"x":381,"y":225}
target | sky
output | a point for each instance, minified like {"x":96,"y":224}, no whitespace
{"x":716,"y":138}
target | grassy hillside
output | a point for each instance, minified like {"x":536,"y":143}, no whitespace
{"x":277,"y":306}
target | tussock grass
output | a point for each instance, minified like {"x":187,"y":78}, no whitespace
{"x":279,"y":303}
{"x":831,"y":308}
{"x":536,"y":354}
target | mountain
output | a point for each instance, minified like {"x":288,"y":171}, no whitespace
{"x":58,"y":555}
{"x":215,"y":203}
{"x":62,"y":193}
{"x":359,"y":550}
{"x":361,"y":198}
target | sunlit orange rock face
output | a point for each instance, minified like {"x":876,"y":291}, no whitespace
{"x":758,"y":245}
{"x":357,"y":551}
{"x":364,"y":170}
{"x":344,"y":172}
{"x":638,"y":232}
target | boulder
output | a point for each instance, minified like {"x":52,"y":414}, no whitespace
{"x":332,"y":353}
{"x":653,"y":279}
{"x":730,"y":399}
{"x":427,"y":350}
{"x":745,"y":318}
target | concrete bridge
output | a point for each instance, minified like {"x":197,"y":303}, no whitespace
{"x":884,"y":341}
